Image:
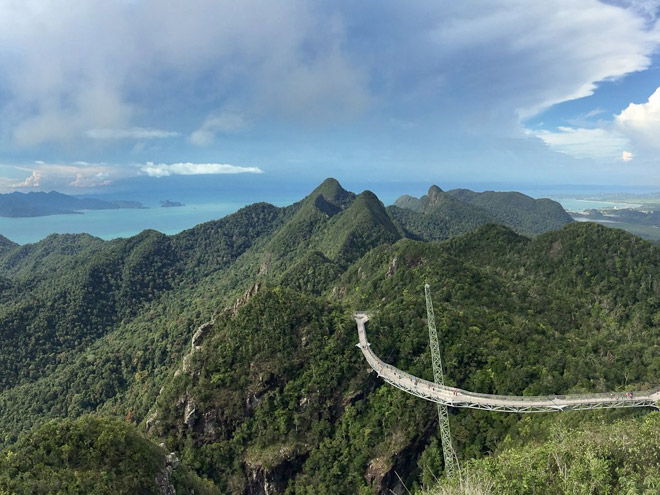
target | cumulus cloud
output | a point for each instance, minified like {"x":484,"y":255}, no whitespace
{"x":637,"y":126}
{"x":602,"y":144}
{"x":514,"y":59}
{"x":59,"y":176}
{"x":164,"y":170}
{"x":31,"y":181}
{"x":642,"y":121}
{"x":131,"y":133}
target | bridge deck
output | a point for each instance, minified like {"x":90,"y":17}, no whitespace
{"x":456,"y":397}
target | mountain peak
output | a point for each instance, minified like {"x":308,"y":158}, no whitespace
{"x":434,"y":194}
{"x":333,"y":193}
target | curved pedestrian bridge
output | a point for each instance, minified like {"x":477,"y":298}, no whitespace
{"x":457,"y":397}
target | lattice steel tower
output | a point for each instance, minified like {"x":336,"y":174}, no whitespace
{"x":451,"y":462}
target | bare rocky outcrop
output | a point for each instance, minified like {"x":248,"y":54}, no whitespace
{"x":164,"y":477}
{"x":242,"y":301}
{"x":386,"y":474}
{"x":271,"y":480}
{"x":196,"y":344}
{"x":392,"y":269}
{"x":189,"y":413}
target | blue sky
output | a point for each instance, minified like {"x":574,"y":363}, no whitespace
{"x":102,"y":92}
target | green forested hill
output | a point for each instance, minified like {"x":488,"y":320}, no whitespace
{"x":439,"y":215}
{"x":93,"y":455}
{"x":517,"y":210}
{"x":272,"y":395}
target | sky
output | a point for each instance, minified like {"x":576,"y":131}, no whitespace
{"x":99,"y":93}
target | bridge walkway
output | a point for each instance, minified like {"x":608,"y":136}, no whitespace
{"x":456,"y":397}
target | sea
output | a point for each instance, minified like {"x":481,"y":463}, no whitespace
{"x":211,"y":198}
{"x":572,"y":204}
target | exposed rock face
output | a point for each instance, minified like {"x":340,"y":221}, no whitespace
{"x":189,"y":414}
{"x":151,"y":421}
{"x":392,"y":269}
{"x":259,"y":484}
{"x":390,"y":480}
{"x":200,"y":334}
{"x":274,"y":480}
{"x":164,"y":478}
{"x":252,"y":291}
{"x":196,"y":344}
{"x":434,"y":194}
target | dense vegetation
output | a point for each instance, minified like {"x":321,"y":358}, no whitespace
{"x":622,"y":457}
{"x":93,"y":455}
{"x":273,"y":395}
{"x":440,"y":215}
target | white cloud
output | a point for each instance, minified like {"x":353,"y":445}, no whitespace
{"x":484,"y":66}
{"x":648,"y":9}
{"x":59,"y":176}
{"x":88,"y":181}
{"x":626,"y":156}
{"x":203,"y":68}
{"x":31,"y":181}
{"x":225,"y":122}
{"x":64,"y":72}
{"x":131,"y":133}
{"x":164,"y":170}
{"x":64,"y":117}
{"x":585,"y":143}
{"x":641,"y":122}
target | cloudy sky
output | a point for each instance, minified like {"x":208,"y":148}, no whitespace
{"x":507,"y":91}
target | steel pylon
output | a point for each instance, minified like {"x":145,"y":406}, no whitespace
{"x":451,"y":462}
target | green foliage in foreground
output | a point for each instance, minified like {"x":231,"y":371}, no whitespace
{"x":619,"y":458}
{"x":95,"y":455}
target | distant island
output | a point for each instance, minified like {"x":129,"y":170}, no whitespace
{"x":39,"y":204}
{"x":170,"y":204}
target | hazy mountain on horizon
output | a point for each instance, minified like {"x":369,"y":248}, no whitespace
{"x":37,"y":204}
{"x":438,"y":214}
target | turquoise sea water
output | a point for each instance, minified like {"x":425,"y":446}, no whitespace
{"x":584,"y":204}
{"x":110,"y":224}
{"x":208,"y":199}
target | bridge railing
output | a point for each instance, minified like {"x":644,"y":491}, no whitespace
{"x":380,"y":366}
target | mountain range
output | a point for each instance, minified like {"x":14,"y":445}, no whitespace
{"x":38,"y":204}
{"x":223,"y":359}
{"x":460,"y":210}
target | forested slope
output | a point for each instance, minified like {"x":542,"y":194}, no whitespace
{"x":233,"y":342}
{"x":619,"y":457}
{"x":94,"y":455}
{"x":439,"y":215}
